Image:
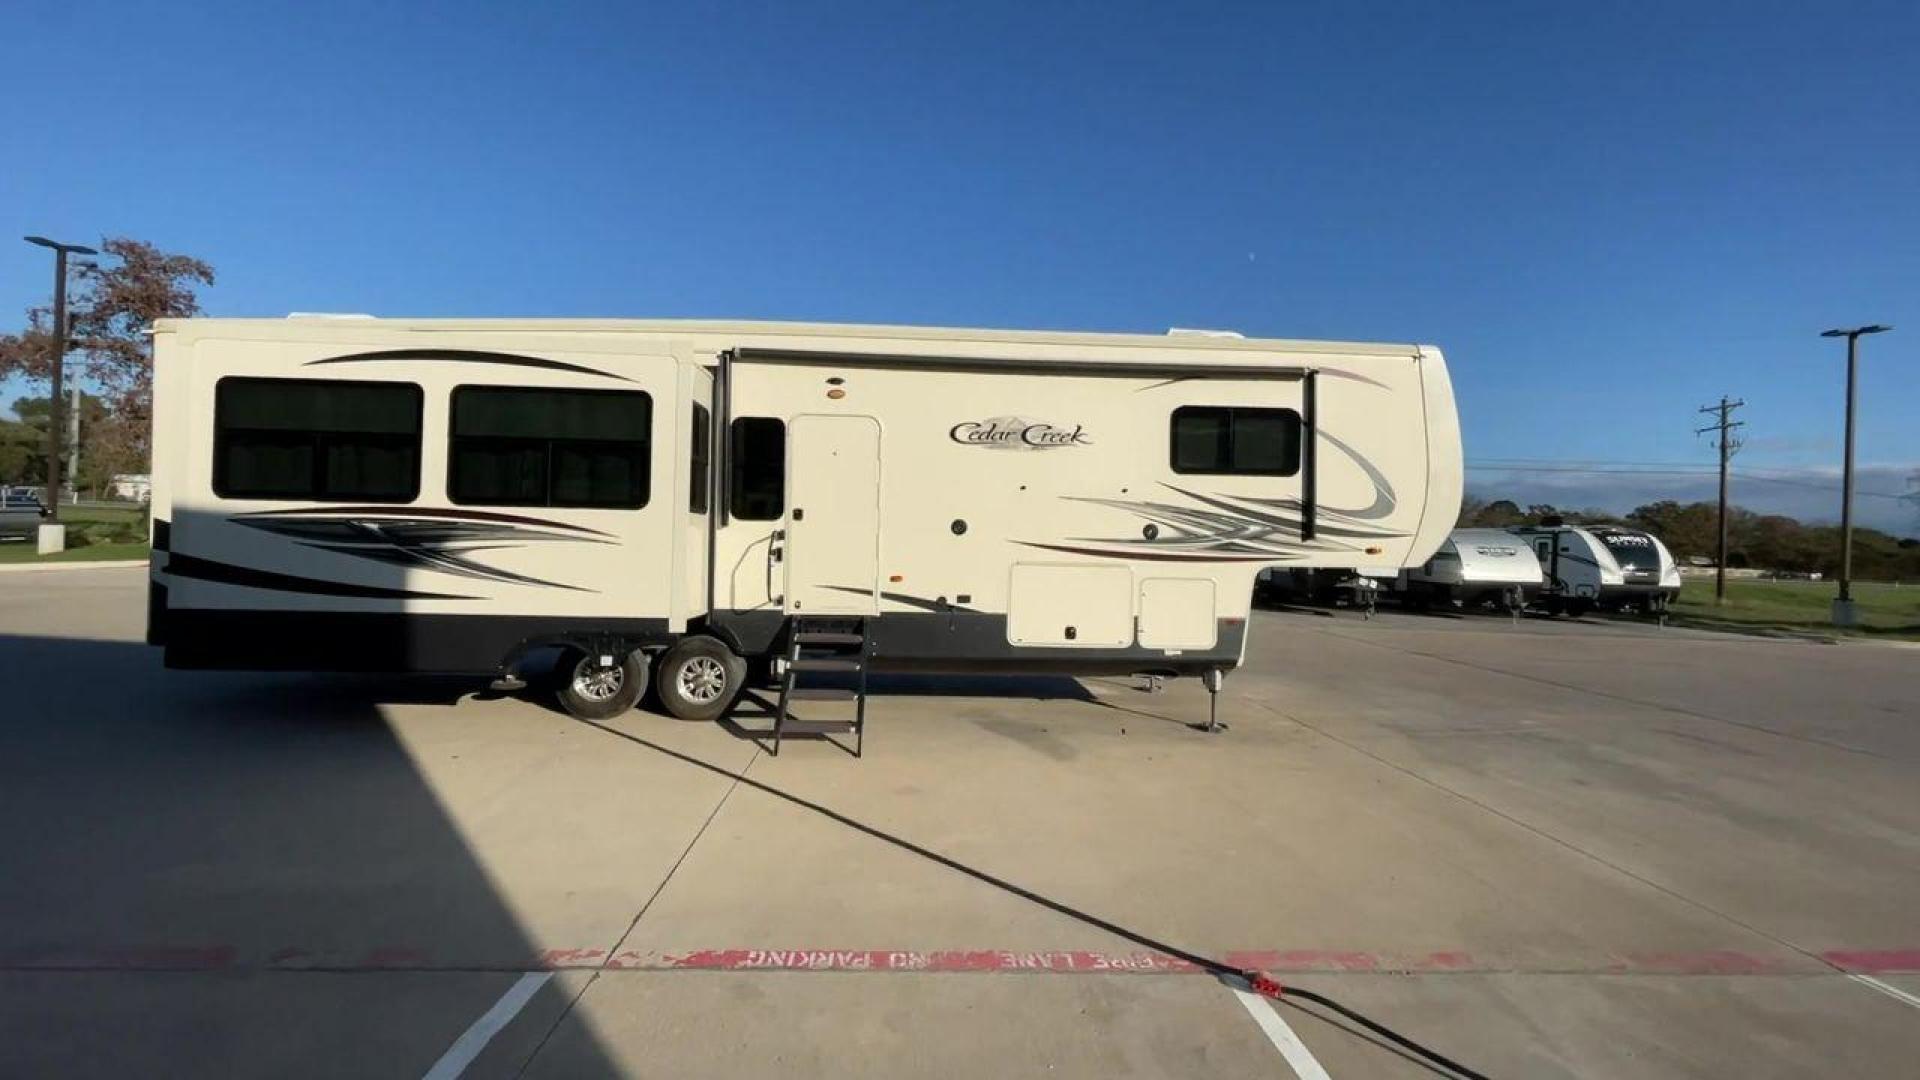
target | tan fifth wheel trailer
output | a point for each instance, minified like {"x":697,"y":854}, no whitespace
{"x":674,"y":500}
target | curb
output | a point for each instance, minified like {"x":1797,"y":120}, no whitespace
{"x":73,"y":564}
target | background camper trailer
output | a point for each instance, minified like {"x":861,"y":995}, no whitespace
{"x":1602,"y":567}
{"x":1473,"y":568}
{"x":676,"y":501}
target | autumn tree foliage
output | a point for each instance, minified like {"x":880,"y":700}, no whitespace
{"x":110,"y":305}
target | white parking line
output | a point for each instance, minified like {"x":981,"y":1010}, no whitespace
{"x":475,"y":1039}
{"x":1891,"y":991}
{"x":1302,"y":1061}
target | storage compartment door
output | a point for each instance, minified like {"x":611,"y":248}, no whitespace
{"x":1071,"y":606}
{"x":1176,"y":614}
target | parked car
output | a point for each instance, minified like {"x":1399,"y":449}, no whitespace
{"x":20,"y":514}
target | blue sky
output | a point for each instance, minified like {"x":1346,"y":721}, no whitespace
{"x":1606,"y":214}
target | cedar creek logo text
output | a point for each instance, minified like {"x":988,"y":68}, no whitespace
{"x":1017,"y":433}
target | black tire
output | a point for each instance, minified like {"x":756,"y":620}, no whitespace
{"x":699,"y":678}
{"x":590,"y":692}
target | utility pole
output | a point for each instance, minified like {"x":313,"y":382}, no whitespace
{"x":1843,"y":612}
{"x":54,"y":399}
{"x":1727,"y":444}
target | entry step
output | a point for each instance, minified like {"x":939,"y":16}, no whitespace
{"x":809,"y":663}
{"x":796,"y":726}
{"x":821,"y":693}
{"x":827,"y":637}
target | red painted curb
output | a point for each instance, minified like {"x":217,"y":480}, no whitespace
{"x":1874,"y":961}
{"x":978,"y":961}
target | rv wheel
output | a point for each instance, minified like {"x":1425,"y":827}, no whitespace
{"x":591,"y":690}
{"x":699,"y":678}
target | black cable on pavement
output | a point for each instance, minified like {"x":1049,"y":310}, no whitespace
{"x":1260,"y":982}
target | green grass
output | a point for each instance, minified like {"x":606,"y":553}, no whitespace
{"x":1800,"y":607}
{"x":96,"y":514}
{"x":23,"y":551}
{"x":95,"y":532}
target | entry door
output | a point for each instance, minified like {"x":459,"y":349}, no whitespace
{"x":1543,"y":547}
{"x":833,"y":515}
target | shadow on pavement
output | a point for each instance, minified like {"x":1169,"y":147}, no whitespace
{"x":232,"y":825}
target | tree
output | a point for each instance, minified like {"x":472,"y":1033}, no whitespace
{"x":23,"y":453}
{"x":96,"y":464}
{"x":1490,"y":515}
{"x":114,"y":303}
{"x":1692,"y":529}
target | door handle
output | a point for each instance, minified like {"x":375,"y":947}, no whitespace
{"x":799,"y":514}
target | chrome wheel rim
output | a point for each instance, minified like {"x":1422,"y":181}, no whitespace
{"x":596,"y":683}
{"x":702,"y":679}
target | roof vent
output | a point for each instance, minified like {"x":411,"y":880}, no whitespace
{"x":1181,"y":331}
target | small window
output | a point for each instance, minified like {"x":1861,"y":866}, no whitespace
{"x":702,"y":457}
{"x":309,"y":439}
{"x":758,"y":473}
{"x":522,"y":446}
{"x":1236,"y":441}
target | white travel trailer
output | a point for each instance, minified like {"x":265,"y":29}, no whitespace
{"x":671,"y":500}
{"x":1474,"y":567}
{"x":1602,"y":566}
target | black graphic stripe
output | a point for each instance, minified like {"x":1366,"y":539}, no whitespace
{"x":468,"y":356}
{"x":446,"y":562}
{"x":1159,"y":556}
{"x":1335,"y":373}
{"x":903,"y":599}
{"x":408,"y":513}
{"x":188,"y":566}
{"x":1292,"y":524}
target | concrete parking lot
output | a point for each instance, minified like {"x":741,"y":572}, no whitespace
{"x":1546,"y":849}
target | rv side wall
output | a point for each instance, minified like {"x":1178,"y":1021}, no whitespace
{"x":1016,"y":508}
{"x":429,"y":496}
{"x":327,"y":509}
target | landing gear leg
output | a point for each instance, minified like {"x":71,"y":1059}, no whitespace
{"x":1212,"y":680}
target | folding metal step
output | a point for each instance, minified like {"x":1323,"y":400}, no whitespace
{"x":824,"y":645}
{"x":797,"y":726}
{"x":822,"y":663}
{"x":827,"y":637}
{"x":822,"y":693}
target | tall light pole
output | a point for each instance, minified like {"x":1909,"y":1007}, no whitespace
{"x":1843,"y":613}
{"x":54,"y":398}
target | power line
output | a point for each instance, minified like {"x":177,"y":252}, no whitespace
{"x":1695,"y":471}
{"x":1813,"y":487}
{"x":1702,"y":471}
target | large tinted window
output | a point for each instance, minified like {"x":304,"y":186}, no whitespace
{"x":302,"y":439}
{"x":1235,"y":441}
{"x":702,"y":458}
{"x":1633,"y":551}
{"x":515,"y":446}
{"x":758,"y":470}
